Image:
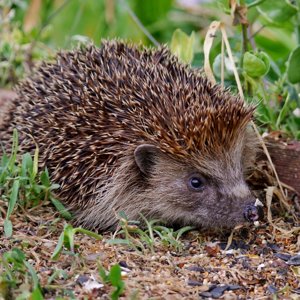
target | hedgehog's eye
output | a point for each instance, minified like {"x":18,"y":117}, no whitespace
{"x":196,"y":183}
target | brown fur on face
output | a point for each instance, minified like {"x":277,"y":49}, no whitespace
{"x":124,"y":129}
{"x":158,"y":187}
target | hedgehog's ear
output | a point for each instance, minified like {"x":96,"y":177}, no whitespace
{"x":144,"y":156}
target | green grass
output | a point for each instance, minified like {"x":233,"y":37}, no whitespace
{"x":22,"y":183}
{"x":15,"y":267}
{"x":114,"y":278}
{"x":66,"y":239}
{"x":148,"y":237}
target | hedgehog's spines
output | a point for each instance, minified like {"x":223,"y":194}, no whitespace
{"x":146,"y":93}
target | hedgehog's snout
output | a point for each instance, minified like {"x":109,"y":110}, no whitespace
{"x":253,"y":212}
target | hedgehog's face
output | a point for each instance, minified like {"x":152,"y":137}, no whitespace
{"x":186,"y":193}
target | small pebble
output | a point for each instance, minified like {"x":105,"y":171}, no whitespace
{"x":282,"y":271}
{"x":94,"y":256}
{"x":195,"y":269}
{"x":283,"y":256}
{"x":296,"y":291}
{"x":274,"y":247}
{"x":233,"y":287}
{"x":81,"y":279}
{"x":235,"y":245}
{"x":294,"y":261}
{"x":89,"y":283}
{"x":272,"y":289}
{"x":123,"y":264}
{"x":256,"y":223}
{"x":260,"y":267}
{"x":205,"y":294}
{"x":48,"y":244}
{"x":218,"y":291}
{"x":192,"y":282}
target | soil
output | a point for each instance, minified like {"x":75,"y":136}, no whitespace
{"x":260,"y":262}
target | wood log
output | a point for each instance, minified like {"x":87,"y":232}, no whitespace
{"x":286,"y":158}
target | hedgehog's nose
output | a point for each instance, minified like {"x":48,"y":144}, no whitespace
{"x":253,"y":213}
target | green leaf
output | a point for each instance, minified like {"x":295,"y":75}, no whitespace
{"x":256,"y":64}
{"x":293,"y":69}
{"x":69,"y":233}
{"x":103,"y":274}
{"x":61,"y":209}
{"x":183,"y":230}
{"x":58,"y":273}
{"x":116,"y":281}
{"x":33,"y":274}
{"x":283,"y":112}
{"x":59,"y":246}
{"x":35,"y":163}
{"x":150,"y":11}
{"x":15,"y":255}
{"x":277,"y":11}
{"x":67,"y":239}
{"x":228,"y":68}
{"x":266,"y":115}
{"x":182,"y":45}
{"x":54,"y":186}
{"x":8,"y":228}
{"x":45,"y":180}
{"x":14,"y":150}
{"x":115,"y":275}
{"x":36,"y":294}
{"x":88,"y":233}
{"x":26,"y":164}
{"x":13,"y":198}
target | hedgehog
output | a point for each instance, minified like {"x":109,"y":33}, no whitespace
{"x":126,"y":128}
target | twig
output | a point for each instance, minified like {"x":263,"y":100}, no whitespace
{"x":245,"y":37}
{"x":269,"y":195}
{"x":257,"y":31}
{"x":250,"y":38}
{"x":222,"y":62}
{"x":269,"y":159}
{"x":235,"y":72}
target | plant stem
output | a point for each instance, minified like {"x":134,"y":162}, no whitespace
{"x":139,"y":24}
{"x":255,"y":3}
{"x":245,"y":49}
{"x":244,"y":38}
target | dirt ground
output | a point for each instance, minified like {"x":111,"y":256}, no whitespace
{"x":260,"y":263}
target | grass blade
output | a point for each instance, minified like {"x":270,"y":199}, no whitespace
{"x":13,"y":198}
